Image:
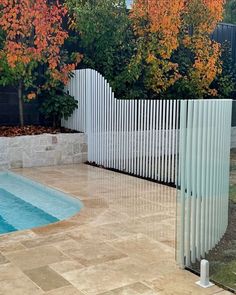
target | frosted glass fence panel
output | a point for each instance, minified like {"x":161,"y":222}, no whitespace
{"x":203,"y":178}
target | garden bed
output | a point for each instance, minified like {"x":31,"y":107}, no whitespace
{"x":11,"y":131}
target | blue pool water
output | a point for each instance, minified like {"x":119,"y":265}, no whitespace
{"x":27,"y":204}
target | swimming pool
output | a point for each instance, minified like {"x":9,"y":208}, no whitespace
{"x":26,"y":204}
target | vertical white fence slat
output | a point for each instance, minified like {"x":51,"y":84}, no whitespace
{"x":170,"y":141}
{"x":160,"y":129}
{"x":153,"y":136}
{"x":127,"y":138}
{"x":132,"y":130}
{"x":139,"y":134}
{"x":163,"y":139}
{"x":135,"y":136}
{"x":166,"y":142}
{"x":155,"y":154}
{"x":141,"y":118}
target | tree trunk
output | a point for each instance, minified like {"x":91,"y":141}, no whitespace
{"x":21,"y":104}
{"x":54,"y":121}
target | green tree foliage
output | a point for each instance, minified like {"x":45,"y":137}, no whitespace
{"x":230,"y":12}
{"x":107,"y":42}
{"x":225,"y":83}
{"x":2,"y":38}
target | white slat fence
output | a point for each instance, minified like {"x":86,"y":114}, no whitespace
{"x":134,"y":136}
{"x":155,"y":139}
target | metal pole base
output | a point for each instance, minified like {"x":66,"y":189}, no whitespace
{"x":204,"y":275}
{"x":205,"y":286}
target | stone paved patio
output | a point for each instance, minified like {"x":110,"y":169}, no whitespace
{"x":121,"y":243}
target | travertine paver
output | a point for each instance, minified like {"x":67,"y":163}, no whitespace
{"x":46,"y":278}
{"x":121,"y":243}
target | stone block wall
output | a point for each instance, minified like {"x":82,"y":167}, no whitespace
{"x":42,"y":150}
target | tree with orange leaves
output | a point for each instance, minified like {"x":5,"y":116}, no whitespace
{"x":33,"y":36}
{"x":157,"y":25}
{"x":202,"y":17}
{"x":164,"y":27}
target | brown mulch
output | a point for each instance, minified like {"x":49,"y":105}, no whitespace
{"x":11,"y":131}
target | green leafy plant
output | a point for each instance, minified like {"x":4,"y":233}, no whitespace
{"x":102,"y":27}
{"x":225,"y":82}
{"x":104,"y":32}
{"x":57,"y":104}
{"x":230,"y":11}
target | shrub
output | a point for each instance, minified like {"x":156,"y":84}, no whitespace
{"x":57,"y":104}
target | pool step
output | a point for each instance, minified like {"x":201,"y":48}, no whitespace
{"x":5,"y":227}
{"x":20,"y":214}
{"x":48,"y":200}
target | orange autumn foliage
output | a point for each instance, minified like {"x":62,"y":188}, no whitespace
{"x":163,"y":26}
{"x":31,"y":95}
{"x":163,"y":17}
{"x":157,"y":23}
{"x":203,"y":16}
{"x":34,"y":34}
